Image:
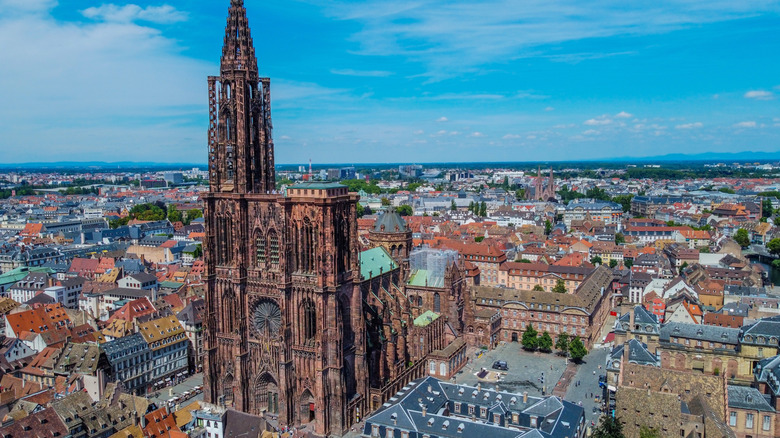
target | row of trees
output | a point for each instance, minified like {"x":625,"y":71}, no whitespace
{"x":479,"y":209}
{"x":574,"y":347}
{"x":560,"y":285}
{"x":157,"y":212}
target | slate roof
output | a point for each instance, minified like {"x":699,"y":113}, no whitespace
{"x":701,"y":332}
{"x":555,"y":417}
{"x":390,"y":222}
{"x":746,"y":397}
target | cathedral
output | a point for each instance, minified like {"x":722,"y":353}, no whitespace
{"x":302,"y":325}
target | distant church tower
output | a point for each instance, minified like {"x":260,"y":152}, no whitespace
{"x":284,"y":329}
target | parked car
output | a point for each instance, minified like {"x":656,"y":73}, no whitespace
{"x":500,"y":365}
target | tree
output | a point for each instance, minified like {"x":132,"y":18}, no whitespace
{"x":360,"y":210}
{"x":530,"y":339}
{"x":385,"y":201}
{"x":453,"y":206}
{"x":624,"y":201}
{"x":174,"y":215}
{"x":523,"y":261}
{"x":628,"y":263}
{"x":766,"y":208}
{"x":742,"y":238}
{"x":776,"y":221}
{"x":612,"y":263}
{"x":620,"y":239}
{"x":545,"y":342}
{"x":609,"y":427}
{"x":405,"y":210}
{"x":596,"y":260}
{"x":562,"y":343}
{"x":683,"y":266}
{"x":577,"y":349}
{"x":560,"y":286}
{"x":483,"y":209}
{"x":547,"y":227}
{"x":774,"y":246}
{"x":471,"y":207}
{"x":648,"y":432}
{"x":538,"y":288}
{"x":192,"y":215}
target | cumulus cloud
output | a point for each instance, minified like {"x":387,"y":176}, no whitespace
{"x":510,"y":136}
{"x":690,"y":125}
{"x":598,"y":121}
{"x":442,"y":119}
{"x":623,"y":115}
{"x":128,"y":13}
{"x":759,"y":95}
{"x":549,"y":108}
{"x":419,"y":132}
{"x":477,"y":134}
{"x":748,"y":124}
{"x":591,"y":132}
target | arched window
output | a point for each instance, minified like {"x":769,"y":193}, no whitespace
{"x":309,"y":320}
{"x":419,"y":300}
{"x":227,"y":390}
{"x":260,"y":248}
{"x":307,"y":246}
{"x":436,"y":303}
{"x":273,"y":244}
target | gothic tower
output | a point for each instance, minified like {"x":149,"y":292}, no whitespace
{"x":284,"y":331}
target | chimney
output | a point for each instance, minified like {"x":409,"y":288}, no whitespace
{"x":424,"y":410}
{"x":525,"y":396}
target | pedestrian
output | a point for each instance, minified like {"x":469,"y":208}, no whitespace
{"x":594,"y":372}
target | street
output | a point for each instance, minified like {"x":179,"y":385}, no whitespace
{"x":187,"y":384}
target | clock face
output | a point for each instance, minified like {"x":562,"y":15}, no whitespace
{"x":267,"y":318}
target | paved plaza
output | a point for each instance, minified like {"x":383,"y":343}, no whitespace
{"x":187,"y":384}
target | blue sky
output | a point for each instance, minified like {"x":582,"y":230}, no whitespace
{"x":396,"y":81}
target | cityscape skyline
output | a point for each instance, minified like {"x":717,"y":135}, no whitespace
{"x":374,"y":83}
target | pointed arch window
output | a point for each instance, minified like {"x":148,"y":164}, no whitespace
{"x":436,"y":303}
{"x":310,"y":320}
{"x":260,"y":249}
{"x":273,"y":246}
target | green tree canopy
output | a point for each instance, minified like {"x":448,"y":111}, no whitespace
{"x":192,"y":215}
{"x":620,"y":238}
{"x":560,"y":286}
{"x":530,"y":338}
{"x":742,"y":237}
{"x":596,"y":260}
{"x":538,"y":288}
{"x":609,"y":427}
{"x":405,"y":210}
{"x":453,"y":206}
{"x":483,"y":209}
{"x":147,"y":212}
{"x":613,"y":263}
{"x":562,"y":343}
{"x":648,"y":432}
{"x":545,"y":342}
{"x":774,"y":246}
{"x":174,"y":215}
{"x":577,"y":349}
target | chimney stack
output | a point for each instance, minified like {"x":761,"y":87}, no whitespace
{"x":525,"y":396}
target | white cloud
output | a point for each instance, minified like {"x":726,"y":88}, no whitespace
{"x":591,"y":132}
{"x":511,"y":136}
{"x":549,"y":108}
{"x":129,"y":13}
{"x":598,"y":121}
{"x":460,"y":35}
{"x":419,"y":132}
{"x":441,"y":132}
{"x":285,"y":137}
{"x":690,"y":125}
{"x":748,"y":124}
{"x":361,"y":73}
{"x":477,"y":134}
{"x":442,"y":119}
{"x":623,"y":115}
{"x":760,"y":95}
{"x":454,"y":133}
{"x":531,"y":137}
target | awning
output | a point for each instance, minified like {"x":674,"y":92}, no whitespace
{"x":610,"y":337}
{"x":611,"y":388}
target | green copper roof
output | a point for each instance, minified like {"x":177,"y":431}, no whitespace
{"x":426,"y":318}
{"x":19,"y":273}
{"x":374,"y":261}
{"x":418,"y":278}
{"x":171,"y":284}
{"x":317,"y":185}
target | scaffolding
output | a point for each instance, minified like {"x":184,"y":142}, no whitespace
{"x":433,"y":262}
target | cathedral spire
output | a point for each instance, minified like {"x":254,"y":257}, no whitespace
{"x":238,"y":52}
